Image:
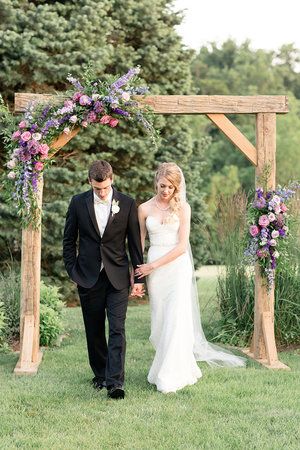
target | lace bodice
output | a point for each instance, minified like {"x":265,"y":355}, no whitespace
{"x":162,"y":234}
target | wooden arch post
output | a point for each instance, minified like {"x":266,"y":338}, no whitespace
{"x":265,"y":107}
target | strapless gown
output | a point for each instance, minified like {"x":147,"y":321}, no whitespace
{"x":169,"y":288}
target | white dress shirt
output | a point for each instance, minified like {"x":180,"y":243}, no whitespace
{"x":102,"y":211}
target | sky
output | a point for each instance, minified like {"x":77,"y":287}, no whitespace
{"x":267,"y":23}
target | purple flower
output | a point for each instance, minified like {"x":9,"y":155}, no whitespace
{"x":260,"y":203}
{"x":125,"y":78}
{"x":121,"y":112}
{"x":85,"y":100}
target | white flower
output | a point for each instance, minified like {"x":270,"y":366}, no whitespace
{"x":263,"y":241}
{"x":11,"y":175}
{"x":115,"y":208}
{"x":37,"y":136}
{"x":276,"y":254}
{"x":126,"y":96}
{"x":67,"y":130}
{"x":73,"y":119}
{"x":275,"y":234}
{"x":273,"y":242}
{"x":95,"y":97}
{"x":276,"y":199}
{"x":285,"y":228}
{"x":277,"y":209}
{"x":11,"y":164}
{"x":271,"y":217}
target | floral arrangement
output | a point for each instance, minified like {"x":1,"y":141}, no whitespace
{"x":89,"y":102}
{"x":268,"y":229}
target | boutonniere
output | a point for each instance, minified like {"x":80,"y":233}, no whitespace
{"x":115,"y":208}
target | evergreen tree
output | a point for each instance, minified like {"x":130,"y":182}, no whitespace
{"x":42,"y":41}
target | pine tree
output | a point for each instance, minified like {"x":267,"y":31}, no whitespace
{"x":41,"y":42}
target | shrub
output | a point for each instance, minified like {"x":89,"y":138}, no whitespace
{"x":50,"y":309}
{"x":50,"y":325}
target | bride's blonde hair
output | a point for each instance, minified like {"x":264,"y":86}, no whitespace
{"x":173,"y":174}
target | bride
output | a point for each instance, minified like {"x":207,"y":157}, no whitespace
{"x":176,"y":331}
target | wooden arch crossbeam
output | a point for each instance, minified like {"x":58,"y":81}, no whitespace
{"x":265,"y":107}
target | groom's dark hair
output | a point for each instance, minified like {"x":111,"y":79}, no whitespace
{"x":100,"y":171}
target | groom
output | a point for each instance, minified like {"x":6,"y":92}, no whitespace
{"x":98,"y":223}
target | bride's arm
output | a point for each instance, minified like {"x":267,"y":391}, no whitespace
{"x":181,"y":247}
{"x":142,"y":222}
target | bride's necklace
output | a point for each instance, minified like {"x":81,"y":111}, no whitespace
{"x":159,"y":207}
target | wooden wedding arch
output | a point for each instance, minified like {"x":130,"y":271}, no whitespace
{"x":265,"y":107}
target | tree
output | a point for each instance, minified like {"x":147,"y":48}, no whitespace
{"x":42,"y":41}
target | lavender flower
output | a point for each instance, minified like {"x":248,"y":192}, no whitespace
{"x":75,"y":82}
{"x":125,"y":78}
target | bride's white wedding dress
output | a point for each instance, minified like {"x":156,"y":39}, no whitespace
{"x":176,"y":331}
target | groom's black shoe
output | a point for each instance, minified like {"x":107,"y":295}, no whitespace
{"x":98,"y":383}
{"x":116,"y":392}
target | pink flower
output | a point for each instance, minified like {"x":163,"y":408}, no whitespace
{"x":39,"y":166}
{"x":26,"y":136}
{"x":84,"y":124}
{"x":271,"y":217}
{"x":273,"y":242}
{"x":11,"y":175}
{"x":67,"y":130}
{"x":84,"y":100}
{"x":22,"y":124}
{"x":69,"y":104}
{"x":113,"y":123}
{"x":44,"y":149}
{"x":76,"y":96}
{"x":283,"y":207}
{"x":263,"y":221}
{"x":105,"y":119}
{"x":16,"y":135}
{"x":275,"y":234}
{"x":261,"y":253}
{"x":254,"y":230}
{"x":277,"y":209}
{"x":92,"y":117}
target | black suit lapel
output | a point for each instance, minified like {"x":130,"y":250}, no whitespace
{"x":91,"y":209}
{"x":111,"y":217}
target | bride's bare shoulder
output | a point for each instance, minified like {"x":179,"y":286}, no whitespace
{"x":145,"y":207}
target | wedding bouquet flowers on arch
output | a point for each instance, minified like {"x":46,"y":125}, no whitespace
{"x":91,"y":101}
{"x":268,"y":229}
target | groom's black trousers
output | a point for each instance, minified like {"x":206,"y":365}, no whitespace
{"x":106,"y":359}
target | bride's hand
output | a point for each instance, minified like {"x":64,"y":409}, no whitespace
{"x":143,"y":270}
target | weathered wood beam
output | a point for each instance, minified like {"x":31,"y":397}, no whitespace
{"x":188,"y":104}
{"x":235,"y":136}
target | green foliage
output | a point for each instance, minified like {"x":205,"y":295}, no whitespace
{"x":51,"y":310}
{"x":50,"y":325}
{"x":10,"y":298}
{"x":2,"y":325}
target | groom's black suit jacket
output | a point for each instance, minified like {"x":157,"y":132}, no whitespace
{"x":83,"y":257}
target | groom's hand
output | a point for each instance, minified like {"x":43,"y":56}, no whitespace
{"x":137,"y":290}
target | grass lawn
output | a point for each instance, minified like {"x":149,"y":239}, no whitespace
{"x":252,"y":408}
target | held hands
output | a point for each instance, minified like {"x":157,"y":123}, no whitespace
{"x":143,"y":270}
{"x":137,"y":290}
